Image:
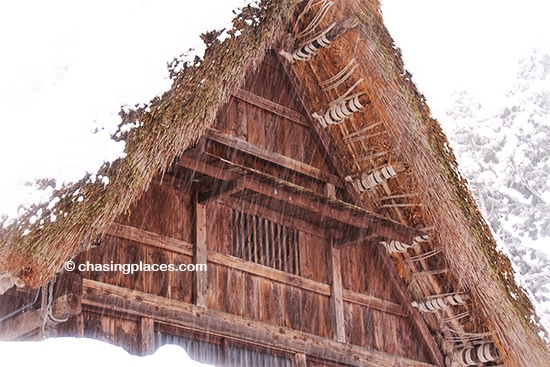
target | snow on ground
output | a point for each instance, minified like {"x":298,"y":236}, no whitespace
{"x":88,"y":353}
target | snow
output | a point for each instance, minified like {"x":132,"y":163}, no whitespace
{"x":475,"y":48}
{"x":88,"y":353}
{"x":468,"y":44}
{"x":67,"y":68}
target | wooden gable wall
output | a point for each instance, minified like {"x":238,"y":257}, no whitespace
{"x":343,"y":307}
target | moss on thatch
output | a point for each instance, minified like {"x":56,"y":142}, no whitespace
{"x":35,"y":252}
{"x":447,"y":205}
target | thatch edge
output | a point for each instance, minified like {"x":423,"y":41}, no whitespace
{"x":480,"y":268}
{"x":29,"y":250}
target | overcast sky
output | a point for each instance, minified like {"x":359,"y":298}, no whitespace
{"x":470,"y":44}
{"x":68,"y":66}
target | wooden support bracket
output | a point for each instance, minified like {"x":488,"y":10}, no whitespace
{"x":359,"y":237}
{"x":223,"y":189}
{"x":67,"y":299}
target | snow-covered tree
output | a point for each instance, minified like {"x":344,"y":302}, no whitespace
{"x":505,"y":155}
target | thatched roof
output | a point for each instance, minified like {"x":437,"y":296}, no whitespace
{"x":437,"y":198}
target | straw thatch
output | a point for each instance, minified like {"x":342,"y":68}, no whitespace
{"x":34,"y":252}
{"x":402,"y":127}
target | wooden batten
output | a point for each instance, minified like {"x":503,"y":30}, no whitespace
{"x":275,"y":158}
{"x":147,"y":335}
{"x":337,"y":296}
{"x":271,"y":106}
{"x":200,"y":281}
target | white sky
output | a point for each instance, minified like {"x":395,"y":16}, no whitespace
{"x":68,"y":66}
{"x":470,"y":44}
{"x":66,"y":69}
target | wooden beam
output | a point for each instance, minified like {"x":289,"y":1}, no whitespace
{"x":336,"y":297}
{"x":147,"y":336}
{"x":300,"y":360}
{"x":275,"y":158}
{"x":200,"y":280}
{"x":150,"y":238}
{"x":223,"y":189}
{"x":20,"y":325}
{"x":322,"y":137}
{"x":200,"y":319}
{"x":67,"y":297}
{"x":271,"y":106}
{"x":306,"y":199}
{"x":374,"y":303}
{"x":269,"y":273}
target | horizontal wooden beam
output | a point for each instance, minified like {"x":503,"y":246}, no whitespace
{"x":223,"y":189}
{"x":191,"y":317}
{"x":275,"y":158}
{"x":303,"y":198}
{"x":20,"y":325}
{"x":65,"y":306}
{"x":271,"y":106}
{"x":269,"y":273}
{"x":150,"y":238}
{"x":67,"y":297}
{"x":374,"y":303}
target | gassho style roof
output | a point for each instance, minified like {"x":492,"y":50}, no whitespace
{"x":392,"y":154}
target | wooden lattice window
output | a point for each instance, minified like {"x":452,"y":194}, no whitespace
{"x":266,"y":243}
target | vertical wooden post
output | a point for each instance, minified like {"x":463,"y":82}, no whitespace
{"x":67,"y":297}
{"x":300,"y":360}
{"x":200,"y":281}
{"x":337,"y":299}
{"x":330,"y":190}
{"x":147,"y":336}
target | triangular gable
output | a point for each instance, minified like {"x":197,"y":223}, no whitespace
{"x":267,"y":113}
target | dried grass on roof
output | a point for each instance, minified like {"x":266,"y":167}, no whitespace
{"x":440,"y":196}
{"x":35,"y":252}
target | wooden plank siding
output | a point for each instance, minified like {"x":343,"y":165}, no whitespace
{"x":330,"y":307}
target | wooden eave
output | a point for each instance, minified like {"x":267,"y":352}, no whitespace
{"x":225,"y":180}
